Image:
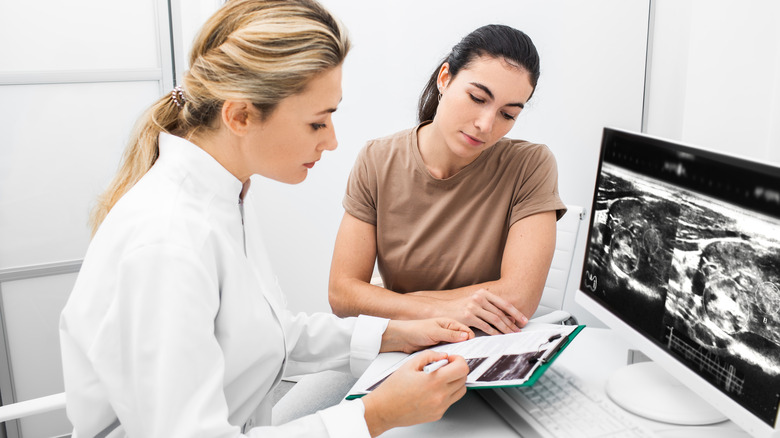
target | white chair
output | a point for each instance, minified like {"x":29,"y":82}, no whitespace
{"x":552,"y":302}
{"x":58,"y":277}
{"x":26,"y":408}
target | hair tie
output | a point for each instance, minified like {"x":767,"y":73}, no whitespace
{"x":177,"y":95}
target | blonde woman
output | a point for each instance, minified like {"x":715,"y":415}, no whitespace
{"x":175,"y":327}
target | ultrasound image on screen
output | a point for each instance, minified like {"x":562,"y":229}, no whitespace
{"x":699,"y":275}
{"x":631,"y":249}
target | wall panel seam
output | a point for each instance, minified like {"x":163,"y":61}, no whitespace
{"x":42,"y":77}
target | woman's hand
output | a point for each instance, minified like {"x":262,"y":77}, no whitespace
{"x":411,"y":396}
{"x":413,"y":335}
{"x":483,"y":310}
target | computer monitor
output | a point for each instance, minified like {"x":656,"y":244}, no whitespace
{"x":683,"y":260}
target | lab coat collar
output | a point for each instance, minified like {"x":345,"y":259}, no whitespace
{"x":211,"y":175}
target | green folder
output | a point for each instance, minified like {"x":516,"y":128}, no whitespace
{"x":534,"y":376}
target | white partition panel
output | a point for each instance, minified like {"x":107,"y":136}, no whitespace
{"x":715,"y":75}
{"x":60,"y":154}
{"x":732,"y":74}
{"x":79,"y":35}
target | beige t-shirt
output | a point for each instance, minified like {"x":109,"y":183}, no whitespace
{"x":437,"y":234}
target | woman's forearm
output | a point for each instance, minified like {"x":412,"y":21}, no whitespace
{"x":525,"y":299}
{"x":352,"y":297}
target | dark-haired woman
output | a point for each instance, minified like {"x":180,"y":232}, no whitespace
{"x":459,"y":220}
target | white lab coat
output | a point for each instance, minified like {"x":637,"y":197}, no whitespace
{"x":176,"y":326}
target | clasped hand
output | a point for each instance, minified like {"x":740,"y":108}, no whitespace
{"x":480,"y":309}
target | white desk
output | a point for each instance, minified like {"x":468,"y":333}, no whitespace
{"x":593,"y":356}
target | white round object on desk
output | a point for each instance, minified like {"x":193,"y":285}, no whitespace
{"x":645,"y":389}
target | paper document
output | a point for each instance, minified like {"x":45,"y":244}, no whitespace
{"x":499,"y":360}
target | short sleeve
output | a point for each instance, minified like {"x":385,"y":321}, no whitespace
{"x":537,"y":187}
{"x":360,"y":198}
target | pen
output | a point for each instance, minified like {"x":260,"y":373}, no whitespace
{"x":433,"y":366}
{"x":555,"y":350}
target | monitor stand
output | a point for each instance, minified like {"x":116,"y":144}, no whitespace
{"x":645,"y":389}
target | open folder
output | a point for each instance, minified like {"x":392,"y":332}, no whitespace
{"x":513,"y":359}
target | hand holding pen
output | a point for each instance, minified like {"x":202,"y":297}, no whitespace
{"x":433,"y":366}
{"x":412,"y":395}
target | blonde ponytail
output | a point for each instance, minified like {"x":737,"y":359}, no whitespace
{"x":138,"y":157}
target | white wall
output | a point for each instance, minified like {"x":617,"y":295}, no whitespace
{"x":715,"y":75}
{"x":593,"y":57}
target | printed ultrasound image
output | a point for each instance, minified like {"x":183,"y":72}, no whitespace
{"x":509,"y":367}
{"x":475,"y":362}
{"x":700,"y":276}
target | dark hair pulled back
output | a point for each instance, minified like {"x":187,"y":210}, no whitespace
{"x":494,"y":40}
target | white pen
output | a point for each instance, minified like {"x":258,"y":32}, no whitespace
{"x":433,"y":366}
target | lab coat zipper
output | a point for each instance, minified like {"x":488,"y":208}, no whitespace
{"x":243,"y":228}
{"x":277,"y":308}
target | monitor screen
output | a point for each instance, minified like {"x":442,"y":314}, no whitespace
{"x":684,"y":249}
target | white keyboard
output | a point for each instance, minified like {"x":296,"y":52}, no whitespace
{"x":560,"y":405}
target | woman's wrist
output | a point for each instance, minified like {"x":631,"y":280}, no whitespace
{"x":375,"y":422}
{"x":426,"y":305}
{"x":392,"y":338}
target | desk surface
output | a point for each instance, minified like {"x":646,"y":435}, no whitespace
{"x":593,"y":356}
